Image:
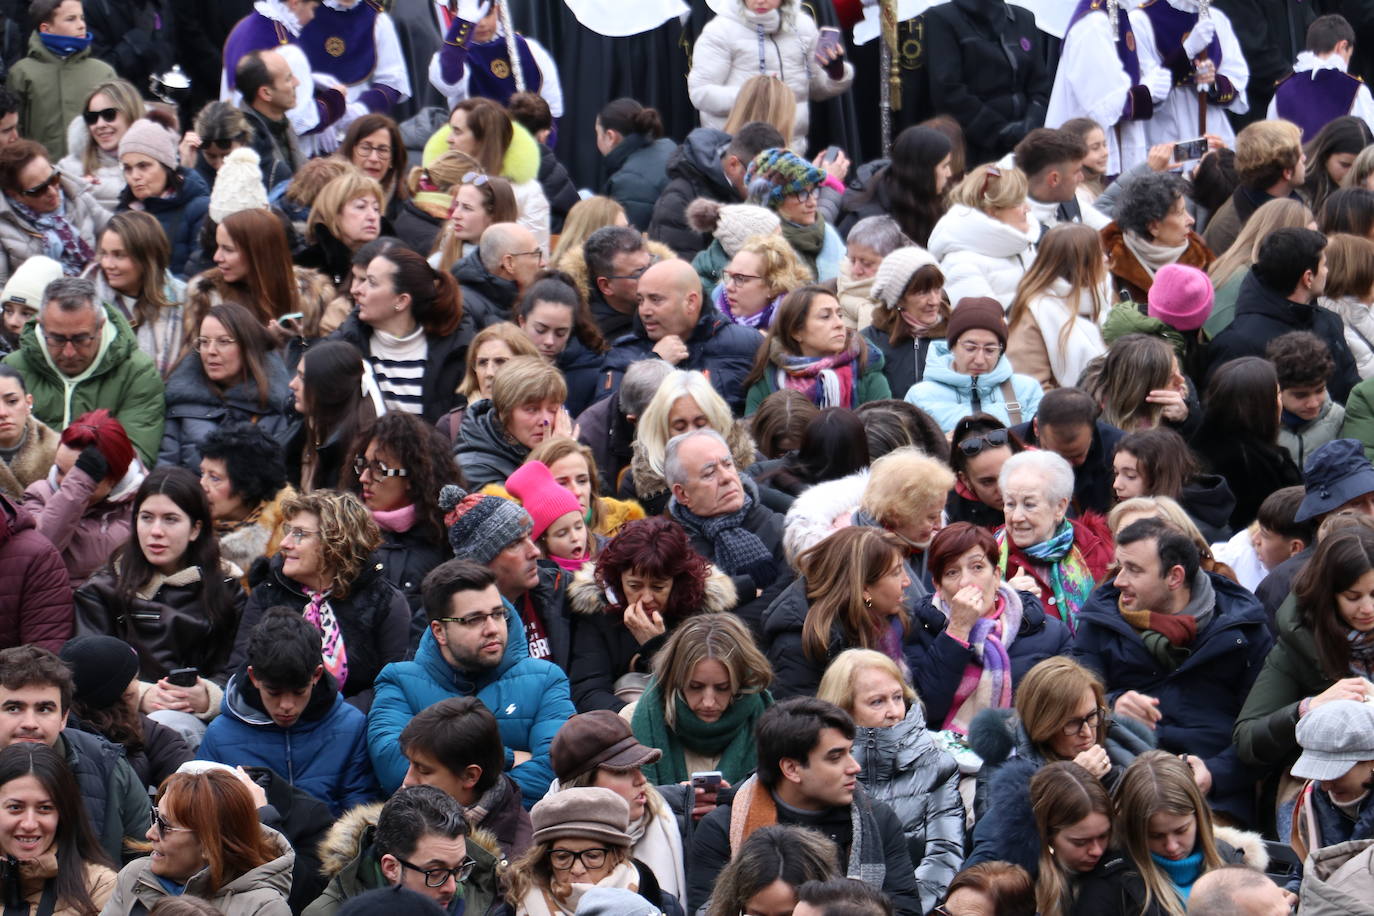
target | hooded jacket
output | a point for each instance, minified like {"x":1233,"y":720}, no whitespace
{"x":86,"y":535}
{"x":122,"y":379}
{"x":981,"y":256}
{"x":693,"y":170}
{"x":1252,"y":469}
{"x":35,"y":593}
{"x":724,"y":350}
{"x":1227,"y":656}
{"x":738,"y":44}
{"x":108,"y":173}
{"x":603,"y":648}
{"x":1306,"y":436}
{"x":195,"y":409}
{"x":181,"y":216}
{"x":446,"y":360}
{"x":1339,"y":880}
{"x":53,"y":90}
{"x":1208,"y":500}
{"x":1262,"y":315}
{"x":350,"y":863}
{"x":323,"y":752}
{"x":486,"y":452}
{"x":486,"y":297}
{"x":905,"y":768}
{"x":260,"y":891}
{"x":947,"y":395}
{"x":528,"y":696}
{"x":21,"y":240}
{"x":637,"y":172}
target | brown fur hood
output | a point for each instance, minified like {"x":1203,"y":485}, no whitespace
{"x":586,"y":597}
{"x":574,"y":264}
{"x":344,"y":841}
{"x":648,"y":481}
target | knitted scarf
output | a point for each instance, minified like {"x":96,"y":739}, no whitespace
{"x":1069,"y":577}
{"x":321,"y":616}
{"x":1151,"y":256}
{"x":827,"y":381}
{"x":731,"y":737}
{"x":806,"y":241}
{"x":397,"y":521}
{"x":754,"y":807}
{"x":1167,"y":637}
{"x":736,"y":551}
{"x":64,"y":243}
{"x":1182,"y":873}
{"x":986,"y":682}
{"x":541,"y":901}
{"x":1361,"y":653}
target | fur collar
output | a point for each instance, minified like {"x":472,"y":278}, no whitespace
{"x":32,"y":461}
{"x":181,"y":578}
{"x":574,"y":263}
{"x":350,"y":833}
{"x":586,"y":597}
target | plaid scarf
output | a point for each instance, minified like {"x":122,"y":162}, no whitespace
{"x":64,"y":243}
{"x":1361,"y":653}
{"x":735,"y":550}
{"x":986,"y":682}
{"x":320,"y":615}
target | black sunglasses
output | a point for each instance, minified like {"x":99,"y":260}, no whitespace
{"x":225,"y":145}
{"x":974,"y":445}
{"x":101,"y":114}
{"x":39,"y":190}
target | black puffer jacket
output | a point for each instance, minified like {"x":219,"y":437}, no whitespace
{"x":407,"y":557}
{"x":693,"y":171}
{"x":558,"y":188}
{"x":180,"y":215}
{"x":195,"y":409}
{"x":166,"y":623}
{"x":374,"y":618}
{"x":637,"y":174}
{"x":163,"y":749}
{"x":417,"y":228}
{"x":446,"y":361}
{"x":487,"y":298}
{"x":486,"y":454}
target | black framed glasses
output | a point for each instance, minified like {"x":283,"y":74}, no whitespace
{"x":163,"y":826}
{"x":737,"y":279}
{"x":225,"y":144}
{"x":43,"y":187}
{"x":653,"y":259}
{"x":475,"y":620}
{"x":438,"y":877}
{"x":60,"y":341}
{"x":378,"y":469}
{"x":100,"y":114}
{"x":563,"y":859}
{"x":1075,"y":725}
{"x":974,"y":445}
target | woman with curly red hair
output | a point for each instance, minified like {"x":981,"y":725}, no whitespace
{"x":645,"y":582}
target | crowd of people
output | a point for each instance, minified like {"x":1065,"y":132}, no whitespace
{"x":394,"y":520}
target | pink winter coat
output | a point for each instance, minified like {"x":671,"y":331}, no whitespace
{"x":86,"y":536}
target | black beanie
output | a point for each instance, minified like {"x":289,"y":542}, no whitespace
{"x":102,"y":667}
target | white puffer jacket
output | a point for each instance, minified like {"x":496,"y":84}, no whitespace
{"x":981,"y":256}
{"x":109,"y":174}
{"x":728,"y":51}
{"x":1359,"y":330}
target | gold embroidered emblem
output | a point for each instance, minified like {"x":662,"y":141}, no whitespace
{"x":500,"y":69}
{"x":334,"y":47}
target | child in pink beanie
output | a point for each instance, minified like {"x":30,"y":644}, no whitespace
{"x":560,"y":529}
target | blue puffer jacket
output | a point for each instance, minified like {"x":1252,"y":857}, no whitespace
{"x":529,"y":697}
{"x":323,"y":753}
{"x":948,"y":395}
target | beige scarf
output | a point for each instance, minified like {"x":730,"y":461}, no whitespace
{"x":542,"y":901}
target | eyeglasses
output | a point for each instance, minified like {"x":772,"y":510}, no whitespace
{"x":299,"y":535}
{"x":477,"y":179}
{"x":805,"y":197}
{"x":1091,"y":720}
{"x":100,"y":114}
{"x":654,"y":259}
{"x":526,"y":254}
{"x":164,"y":826}
{"x":224,"y":144}
{"x":974,"y":445}
{"x":367,"y":149}
{"x":378,"y":469}
{"x":475,"y":620}
{"x":42,"y":188}
{"x":734,"y":279}
{"x":59,"y":341}
{"x":562,"y":859}
{"x":213,"y":343}
{"x":438,"y":877}
{"x":992,"y":351}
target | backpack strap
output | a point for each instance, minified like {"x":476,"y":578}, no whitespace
{"x":1013,"y":405}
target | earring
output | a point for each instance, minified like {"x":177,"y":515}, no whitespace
{"x":868,"y":602}
{"x":397,"y":307}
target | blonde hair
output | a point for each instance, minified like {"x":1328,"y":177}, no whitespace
{"x":127,"y":101}
{"x":990,"y":187}
{"x":652,"y":432}
{"x":837,"y":570}
{"x":585,"y":217}
{"x":904,"y":483}
{"x":781,"y":270}
{"x":1265,"y":149}
{"x":1164,"y":508}
{"x":526,"y":380}
{"x":1156,"y":782}
{"x":1280,"y":213}
{"x":764,"y":98}
{"x":1362,"y":169}
{"x":348,"y":534}
{"x":837,"y":684}
{"x":709,"y":637}
{"x":532,"y":870}
{"x":311,"y":178}
{"x":333,"y":197}
{"x":445,"y":173}
{"x":516,"y":340}
{"x":1061,"y":794}
{"x":1048,"y":696}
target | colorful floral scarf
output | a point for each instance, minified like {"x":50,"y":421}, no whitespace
{"x":827,"y":381}
{"x":986,"y":682}
{"x":1068,"y":574}
{"x":320,"y":615}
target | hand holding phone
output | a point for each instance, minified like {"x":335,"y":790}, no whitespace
{"x":1188,"y":150}
{"x":829,"y":46}
{"x":183,"y":677}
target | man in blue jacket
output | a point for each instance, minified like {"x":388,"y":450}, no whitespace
{"x":1178,"y":649}
{"x":675,"y":323}
{"x":467,"y":651}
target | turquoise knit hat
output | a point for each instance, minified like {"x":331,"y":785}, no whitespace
{"x":777,"y":173}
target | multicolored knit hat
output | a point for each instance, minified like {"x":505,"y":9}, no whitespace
{"x":776,"y":173}
{"x":481,"y":526}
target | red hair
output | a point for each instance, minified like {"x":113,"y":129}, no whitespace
{"x":221,"y":812}
{"x":107,"y":434}
{"x":954,"y":541}
{"x":658,"y":548}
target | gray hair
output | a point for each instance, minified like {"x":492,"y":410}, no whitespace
{"x":1057,"y":473}
{"x":499,"y":240}
{"x":1216,"y":896}
{"x":1147,"y":200}
{"x":72,"y":294}
{"x":881,"y":233}
{"x":673,"y":471}
{"x":640,"y":384}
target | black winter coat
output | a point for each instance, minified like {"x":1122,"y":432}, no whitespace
{"x":304,"y":820}
{"x":180,"y":216}
{"x":1092,"y":480}
{"x":937,"y":660}
{"x":991,"y":73}
{"x":446,"y":361}
{"x":1262,"y":315}
{"x":904,"y":363}
{"x":795,"y":674}
{"x":136,"y":37}
{"x":162,"y":752}
{"x":487,"y":298}
{"x":1209,"y":502}
{"x":486,"y":454}
{"x":417,"y":228}
{"x":1253,"y":469}
{"x":170,"y":629}
{"x":374,"y":618}
{"x":1115,"y":886}
{"x":604,"y":429}
{"x":558,"y":188}
{"x":637,"y":173}
{"x":195,"y":409}
{"x":581,"y":368}
{"x":768,"y":526}
{"x":406,"y":558}
{"x":693,"y":171}
{"x":717,"y":346}
{"x":960,"y":508}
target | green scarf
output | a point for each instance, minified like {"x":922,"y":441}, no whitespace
{"x":806,"y":241}
{"x":731,"y":737}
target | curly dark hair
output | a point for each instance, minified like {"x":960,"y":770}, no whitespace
{"x":425,"y":454}
{"x":1148,"y":200}
{"x":1301,"y":359}
{"x":254,"y":460}
{"x":658,"y":548}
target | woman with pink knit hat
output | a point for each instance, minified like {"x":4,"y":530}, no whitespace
{"x":1178,"y":305}
{"x":560,"y":530}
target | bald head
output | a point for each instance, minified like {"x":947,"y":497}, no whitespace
{"x":1236,"y":890}
{"x":669,"y":299}
{"x":510,"y":251}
